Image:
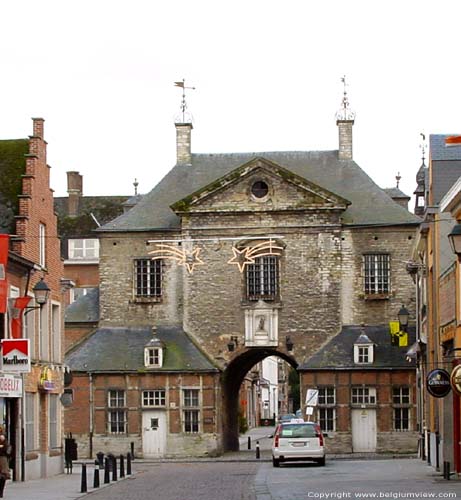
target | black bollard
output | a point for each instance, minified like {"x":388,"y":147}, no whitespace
{"x":249,"y":442}
{"x":258,"y":455}
{"x":128,"y":464}
{"x":446,"y":470}
{"x":132,"y":450}
{"x":83,"y":488}
{"x":122,"y":466}
{"x":114,"y":468}
{"x":96,"y":477}
{"x":106,"y":471}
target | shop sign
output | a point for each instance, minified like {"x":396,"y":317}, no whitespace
{"x":15,"y":355}
{"x":10,"y":386}
{"x":438,"y":383}
{"x":455,"y":379}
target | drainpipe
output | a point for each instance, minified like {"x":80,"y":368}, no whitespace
{"x":90,"y":377}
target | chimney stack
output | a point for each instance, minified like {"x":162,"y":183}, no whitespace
{"x":74,"y":190}
{"x":183,"y":143}
{"x":344,"y":120}
{"x":345,"y":139}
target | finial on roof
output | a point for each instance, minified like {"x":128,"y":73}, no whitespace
{"x":135,"y":184}
{"x":423,"y":146}
{"x":345,"y":113}
{"x":184,"y":115}
{"x":397,"y":178}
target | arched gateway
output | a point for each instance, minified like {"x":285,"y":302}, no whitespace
{"x":232,"y":379}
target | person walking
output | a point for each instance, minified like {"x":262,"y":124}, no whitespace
{"x":4,"y":465}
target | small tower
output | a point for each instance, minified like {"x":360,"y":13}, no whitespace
{"x":183,"y":124}
{"x":345,"y":119}
{"x":420,"y":191}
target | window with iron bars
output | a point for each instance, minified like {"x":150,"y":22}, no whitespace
{"x":401,"y":410}
{"x":377,"y":274}
{"x":326,"y":408}
{"x":148,"y":278}
{"x":262,"y":278}
{"x":116,"y":414}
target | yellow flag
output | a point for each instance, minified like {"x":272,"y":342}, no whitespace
{"x":403,"y":339}
{"x":394,"y":327}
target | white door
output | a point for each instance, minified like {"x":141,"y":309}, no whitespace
{"x":153,"y":433}
{"x":364,"y":430}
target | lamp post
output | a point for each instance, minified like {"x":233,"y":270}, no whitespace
{"x":455,"y":239}
{"x":403,"y":316}
{"x":41,"y":294}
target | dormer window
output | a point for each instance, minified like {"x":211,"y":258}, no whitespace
{"x":363,"y":350}
{"x":153,"y":353}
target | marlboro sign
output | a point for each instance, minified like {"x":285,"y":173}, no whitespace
{"x":15,"y":355}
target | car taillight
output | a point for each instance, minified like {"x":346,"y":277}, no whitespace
{"x":276,"y":441}
{"x":318,"y":433}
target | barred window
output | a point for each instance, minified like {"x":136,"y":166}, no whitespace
{"x":191,"y":415}
{"x":327,"y":396}
{"x":364,"y":395}
{"x":401,"y":410}
{"x":55,"y":441}
{"x":148,"y":278}
{"x":154,"y":398}
{"x":327,"y":417}
{"x":262,"y":278}
{"x":117,"y":414}
{"x":377,"y":273}
{"x":326,"y":409}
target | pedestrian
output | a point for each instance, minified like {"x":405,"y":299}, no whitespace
{"x":4,"y":465}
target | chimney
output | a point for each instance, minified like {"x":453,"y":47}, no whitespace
{"x":345,"y":139}
{"x":38,"y":127}
{"x":344,"y":120}
{"x":74,"y":190}
{"x":183,"y":143}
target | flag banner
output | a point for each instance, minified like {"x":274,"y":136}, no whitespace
{"x":4,"y":245}
{"x":403,"y":339}
{"x":16,"y":318}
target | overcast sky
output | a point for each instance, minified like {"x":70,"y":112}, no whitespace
{"x":267,"y":77}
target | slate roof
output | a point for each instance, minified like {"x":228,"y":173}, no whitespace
{"x":84,"y":309}
{"x":121,"y":349}
{"x":338,"y":354}
{"x":369,"y":203}
{"x":12,"y":167}
{"x":446,"y":165}
{"x":396,"y":193}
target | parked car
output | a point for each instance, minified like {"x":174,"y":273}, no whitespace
{"x":287,"y":417}
{"x":297,"y":440}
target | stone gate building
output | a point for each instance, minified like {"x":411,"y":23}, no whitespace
{"x":229,"y":259}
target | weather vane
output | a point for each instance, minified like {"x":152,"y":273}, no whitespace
{"x":423,"y":145}
{"x":183,"y":101}
{"x":398,"y":177}
{"x":345,"y":113}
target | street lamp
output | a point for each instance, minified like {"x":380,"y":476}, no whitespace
{"x":289,"y":343}
{"x":403,"y":316}
{"x":41,"y":294}
{"x":455,"y":239}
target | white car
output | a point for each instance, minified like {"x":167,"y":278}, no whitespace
{"x":298,"y":441}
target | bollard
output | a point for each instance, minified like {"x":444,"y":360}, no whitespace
{"x":446,"y":470}
{"x":100,"y":458}
{"x":249,"y":442}
{"x":258,"y":455}
{"x":132,"y":450}
{"x":114,"y":468}
{"x":96,"y":477}
{"x":83,"y":488}
{"x":106,"y":471}
{"x":122,"y":466}
{"x":128,"y":464}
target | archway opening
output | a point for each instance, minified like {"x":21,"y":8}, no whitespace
{"x":232,"y":379}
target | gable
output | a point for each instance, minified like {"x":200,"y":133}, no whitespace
{"x":260,"y":185}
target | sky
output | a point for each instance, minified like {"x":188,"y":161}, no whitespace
{"x":267,"y":77}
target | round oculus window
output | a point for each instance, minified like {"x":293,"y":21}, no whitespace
{"x":259,"y":189}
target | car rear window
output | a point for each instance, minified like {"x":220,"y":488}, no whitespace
{"x":297,"y":431}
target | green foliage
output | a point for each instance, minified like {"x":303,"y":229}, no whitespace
{"x":243,"y":424}
{"x":294,"y":394}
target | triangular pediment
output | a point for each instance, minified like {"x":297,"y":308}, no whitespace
{"x":260,"y":185}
